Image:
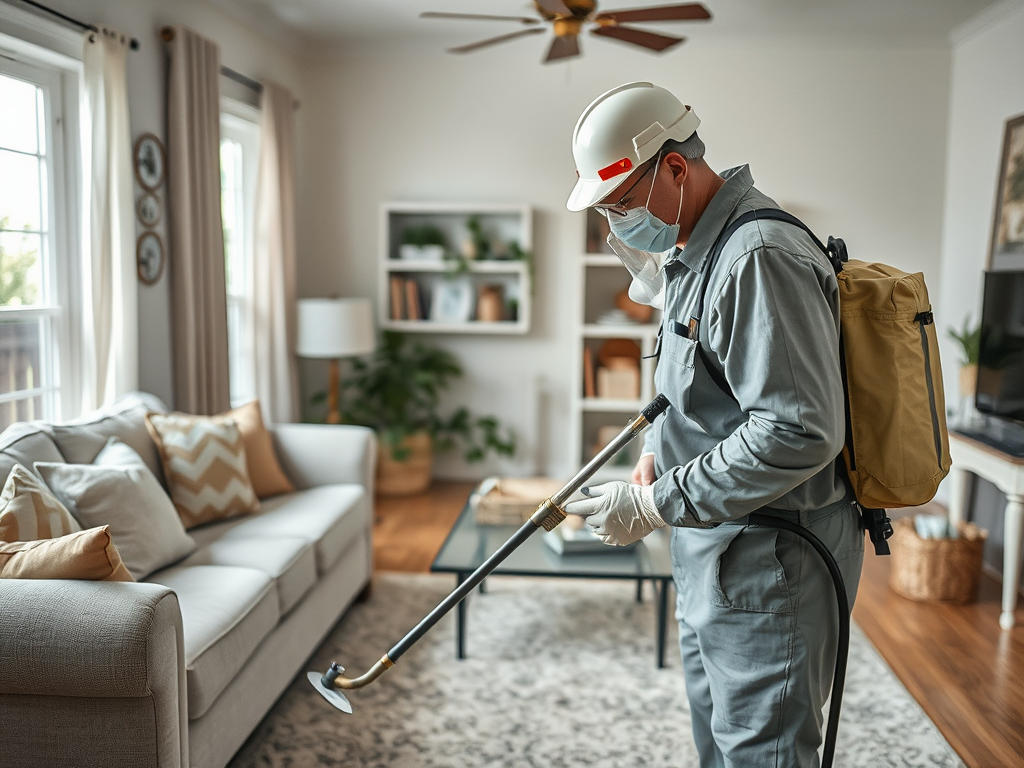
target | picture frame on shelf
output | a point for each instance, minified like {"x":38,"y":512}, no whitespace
{"x":451,"y":301}
{"x":1008,"y":227}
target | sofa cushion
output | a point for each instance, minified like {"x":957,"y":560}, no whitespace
{"x":330,"y":516}
{"x":28,"y":511}
{"x":225,"y":614}
{"x":204,"y":463}
{"x":25,"y":443}
{"x":119,"y":490}
{"x":89,"y":555}
{"x":268,"y":479}
{"x":291,"y":562}
{"x":80,"y":441}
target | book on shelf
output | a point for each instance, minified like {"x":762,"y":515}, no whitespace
{"x":588,"y":373}
{"x":397,"y":299}
{"x":413,"y":310}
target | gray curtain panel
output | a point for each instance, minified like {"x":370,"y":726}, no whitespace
{"x":273,"y":274}
{"x":198,"y":289}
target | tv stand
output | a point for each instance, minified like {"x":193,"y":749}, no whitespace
{"x":1006,"y":471}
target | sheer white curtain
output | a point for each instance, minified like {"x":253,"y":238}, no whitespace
{"x":273,"y":273}
{"x":109,"y":327}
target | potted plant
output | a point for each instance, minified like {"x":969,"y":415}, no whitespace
{"x":396,"y":391}
{"x":969,"y":339}
{"x":425,"y":242}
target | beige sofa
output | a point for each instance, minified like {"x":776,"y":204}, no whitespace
{"x":177,"y":670}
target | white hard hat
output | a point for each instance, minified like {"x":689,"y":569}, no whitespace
{"x":619,"y":131}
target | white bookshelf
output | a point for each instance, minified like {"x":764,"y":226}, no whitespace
{"x":601,"y":275}
{"x":501,"y":224}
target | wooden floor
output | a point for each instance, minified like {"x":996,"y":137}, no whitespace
{"x":966,"y":672}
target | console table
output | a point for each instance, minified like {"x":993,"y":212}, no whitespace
{"x":1007,"y":473}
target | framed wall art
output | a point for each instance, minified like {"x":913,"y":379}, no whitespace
{"x":1008,"y":228}
{"x":149,"y":257}
{"x":149,"y":161}
{"x":148,"y":210}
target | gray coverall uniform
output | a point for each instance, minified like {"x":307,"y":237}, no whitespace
{"x":756,"y":606}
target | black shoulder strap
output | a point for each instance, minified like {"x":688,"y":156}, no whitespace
{"x":835,"y":252}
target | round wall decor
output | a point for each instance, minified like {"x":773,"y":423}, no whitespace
{"x":149,"y":210}
{"x":149,"y":257}
{"x":149,"y":161}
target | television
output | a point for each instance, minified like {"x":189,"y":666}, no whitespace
{"x":1000,"y":390}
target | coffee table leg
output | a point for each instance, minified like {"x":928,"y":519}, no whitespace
{"x":639,"y":590}
{"x":460,"y":621}
{"x":662,"y":620}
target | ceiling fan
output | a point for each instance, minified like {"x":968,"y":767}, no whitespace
{"x":568,"y":17}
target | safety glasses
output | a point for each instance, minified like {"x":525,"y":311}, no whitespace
{"x":619,"y":208}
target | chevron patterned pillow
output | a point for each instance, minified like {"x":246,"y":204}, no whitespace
{"x":205,"y":466}
{"x":29,"y":512}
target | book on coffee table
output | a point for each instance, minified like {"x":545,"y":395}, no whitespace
{"x":569,"y":540}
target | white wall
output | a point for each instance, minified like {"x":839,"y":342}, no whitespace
{"x":241,"y":49}
{"x":852,"y":140}
{"x":987,"y":88}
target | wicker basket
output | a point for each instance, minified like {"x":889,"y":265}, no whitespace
{"x":511,"y":500}
{"x":936,"y":569}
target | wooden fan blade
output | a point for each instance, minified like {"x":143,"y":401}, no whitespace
{"x":552,"y":7}
{"x":494,"y":40}
{"x":563,"y":48}
{"x":687,"y":12}
{"x":477,"y":17}
{"x":639,"y":37}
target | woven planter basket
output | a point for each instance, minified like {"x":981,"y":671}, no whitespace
{"x":936,"y":569}
{"x":404,"y":478}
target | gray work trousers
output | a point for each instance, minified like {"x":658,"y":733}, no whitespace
{"x":757,"y":630}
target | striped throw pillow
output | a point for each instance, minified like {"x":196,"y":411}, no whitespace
{"x":29,"y":512}
{"x":204,"y":464}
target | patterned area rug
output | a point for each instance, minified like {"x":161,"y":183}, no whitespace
{"x":560,"y":674}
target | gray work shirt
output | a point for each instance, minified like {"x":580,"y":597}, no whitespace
{"x":771,"y":328}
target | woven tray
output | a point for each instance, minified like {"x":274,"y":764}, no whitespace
{"x":511,"y":500}
{"x":936,"y":569}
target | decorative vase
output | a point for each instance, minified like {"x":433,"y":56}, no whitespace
{"x":490,"y":304}
{"x":969,"y":380}
{"x":412,"y":474}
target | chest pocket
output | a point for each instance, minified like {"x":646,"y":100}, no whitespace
{"x":676,"y":372}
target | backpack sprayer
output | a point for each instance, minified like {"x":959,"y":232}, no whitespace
{"x":548,"y":515}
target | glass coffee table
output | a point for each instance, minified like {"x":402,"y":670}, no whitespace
{"x":469,"y":544}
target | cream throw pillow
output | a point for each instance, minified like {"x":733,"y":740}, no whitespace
{"x":87,"y":554}
{"x":204,"y":465}
{"x":28,"y":511}
{"x":268,"y":479}
{"x":118,"y":490}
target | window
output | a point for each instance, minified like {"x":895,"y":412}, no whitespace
{"x":239,"y":157}
{"x":36,"y":243}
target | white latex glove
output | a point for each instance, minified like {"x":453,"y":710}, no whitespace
{"x":619,"y":513}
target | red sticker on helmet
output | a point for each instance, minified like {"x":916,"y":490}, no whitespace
{"x":616,"y":168}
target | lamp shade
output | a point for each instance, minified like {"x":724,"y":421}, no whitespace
{"x":335,"y":328}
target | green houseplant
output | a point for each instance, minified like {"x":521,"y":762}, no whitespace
{"x":397,"y":391}
{"x":423,"y":242}
{"x":969,"y":339}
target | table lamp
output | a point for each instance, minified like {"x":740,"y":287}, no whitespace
{"x":332,"y":329}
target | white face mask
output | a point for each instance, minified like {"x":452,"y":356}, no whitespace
{"x":648,"y":286}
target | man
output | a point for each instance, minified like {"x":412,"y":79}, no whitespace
{"x":756,"y":607}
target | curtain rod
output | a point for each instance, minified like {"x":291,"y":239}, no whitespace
{"x":167,"y":33}
{"x":134,"y":44}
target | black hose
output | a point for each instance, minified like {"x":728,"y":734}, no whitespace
{"x":843,"y":646}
